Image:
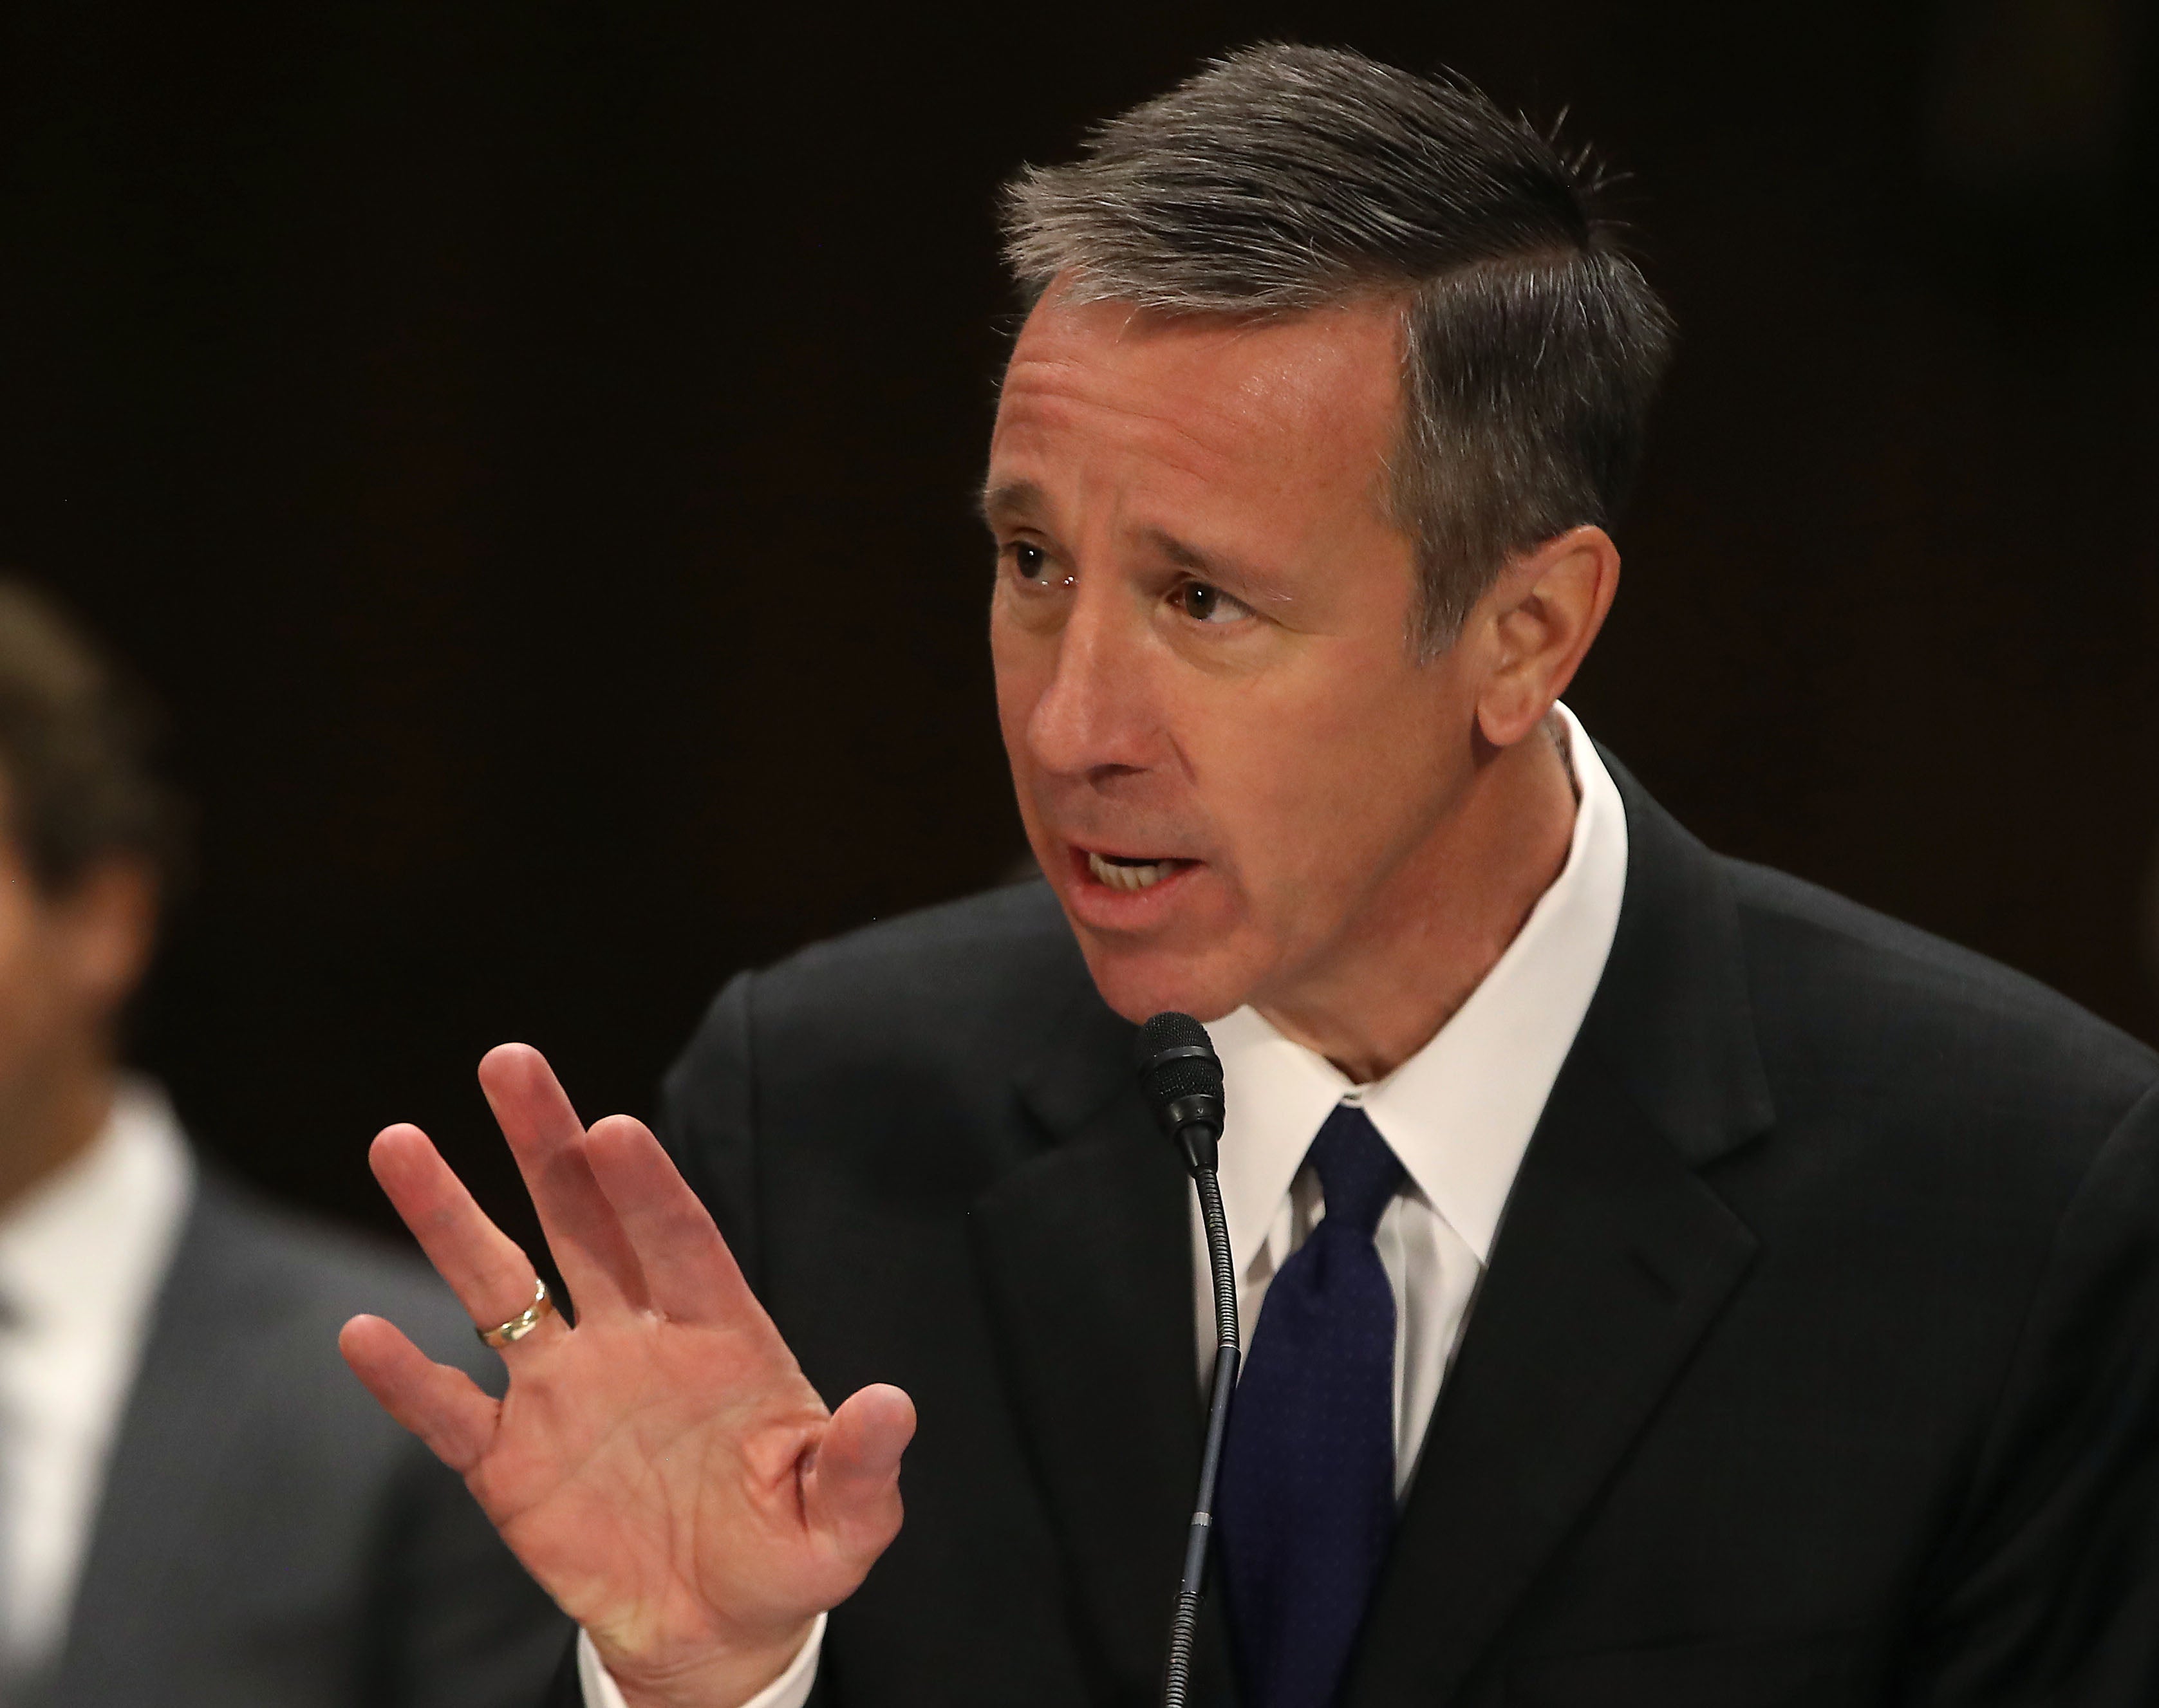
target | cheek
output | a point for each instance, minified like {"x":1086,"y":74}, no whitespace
{"x":1021,"y":667}
{"x":1313,"y":788}
{"x":1017,"y":692}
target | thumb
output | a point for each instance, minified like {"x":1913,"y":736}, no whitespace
{"x":851,"y":1488}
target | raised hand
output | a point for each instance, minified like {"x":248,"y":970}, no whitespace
{"x":663,"y":1469}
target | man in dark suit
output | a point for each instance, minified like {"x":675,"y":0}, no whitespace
{"x":1674,"y":1286}
{"x":198,"y":1508}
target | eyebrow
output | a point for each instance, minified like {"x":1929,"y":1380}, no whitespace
{"x":1234,"y":575}
{"x":1012,"y":501}
{"x":1184,"y":557}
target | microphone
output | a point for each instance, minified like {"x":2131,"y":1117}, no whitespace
{"x":1182,"y":1078}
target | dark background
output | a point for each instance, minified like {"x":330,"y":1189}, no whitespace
{"x":529,"y":448}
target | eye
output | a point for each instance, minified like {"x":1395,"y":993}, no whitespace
{"x":1034,"y":565}
{"x":1203,"y":603}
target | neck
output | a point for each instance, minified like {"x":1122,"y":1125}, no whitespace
{"x":47,"y":1120}
{"x":1442,"y":919}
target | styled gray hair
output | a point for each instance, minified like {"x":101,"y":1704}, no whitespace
{"x":1282,"y":179}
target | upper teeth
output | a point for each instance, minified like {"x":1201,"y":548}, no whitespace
{"x":1127,"y":877}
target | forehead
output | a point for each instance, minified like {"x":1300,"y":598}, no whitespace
{"x":1296,"y":406}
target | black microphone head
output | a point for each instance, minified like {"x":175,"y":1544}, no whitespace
{"x":1181,"y":1075}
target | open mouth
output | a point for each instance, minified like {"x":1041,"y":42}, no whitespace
{"x":1122,"y":872}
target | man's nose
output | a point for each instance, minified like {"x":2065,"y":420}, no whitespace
{"x":1095,"y":716}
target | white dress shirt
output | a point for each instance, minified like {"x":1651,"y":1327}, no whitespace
{"x":1459,"y":1114}
{"x":82,"y":1257}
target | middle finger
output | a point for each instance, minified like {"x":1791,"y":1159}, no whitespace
{"x":583,"y":1232}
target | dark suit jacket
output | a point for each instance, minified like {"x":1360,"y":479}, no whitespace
{"x":1817,"y":1362}
{"x":268,"y":1538}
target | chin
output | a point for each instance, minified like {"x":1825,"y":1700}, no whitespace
{"x":1138,"y":982}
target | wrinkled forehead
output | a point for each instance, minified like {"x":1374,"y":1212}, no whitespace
{"x":1311,"y":399}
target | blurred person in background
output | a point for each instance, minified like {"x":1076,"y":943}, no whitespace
{"x":198,"y":1504}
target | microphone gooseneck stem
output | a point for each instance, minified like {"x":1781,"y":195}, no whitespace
{"x":1177,"y":1682}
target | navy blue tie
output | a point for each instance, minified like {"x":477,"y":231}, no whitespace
{"x":1306,"y":1501}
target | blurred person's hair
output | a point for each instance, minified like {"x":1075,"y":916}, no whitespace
{"x":1282,"y":179}
{"x":78,"y":742}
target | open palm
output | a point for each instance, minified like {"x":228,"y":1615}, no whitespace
{"x":663,"y":1469}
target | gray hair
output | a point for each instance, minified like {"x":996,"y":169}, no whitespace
{"x":1282,"y":179}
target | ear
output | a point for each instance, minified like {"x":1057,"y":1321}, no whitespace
{"x":109,"y":920}
{"x":1539,"y":618}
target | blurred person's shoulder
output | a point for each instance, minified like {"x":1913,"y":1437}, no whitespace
{"x":269,"y":1532}
{"x":288,"y":1280}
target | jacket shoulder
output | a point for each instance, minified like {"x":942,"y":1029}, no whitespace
{"x":1841,"y":990}
{"x":966,"y":977}
{"x":891,"y":1054}
{"x":963,"y":948}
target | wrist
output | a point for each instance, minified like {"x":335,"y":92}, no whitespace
{"x":732,"y":1678}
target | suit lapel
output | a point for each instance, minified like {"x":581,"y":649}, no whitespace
{"x":1611,"y":1262}
{"x":195,"y":1376}
{"x":1085,"y":1255}
{"x":1612,"y":1259}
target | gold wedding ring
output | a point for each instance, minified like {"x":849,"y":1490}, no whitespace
{"x":524,"y":1323}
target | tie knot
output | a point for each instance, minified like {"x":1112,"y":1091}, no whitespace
{"x":1357,"y":1172}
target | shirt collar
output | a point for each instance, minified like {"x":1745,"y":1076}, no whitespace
{"x":1460,"y":1112}
{"x":89,"y":1245}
